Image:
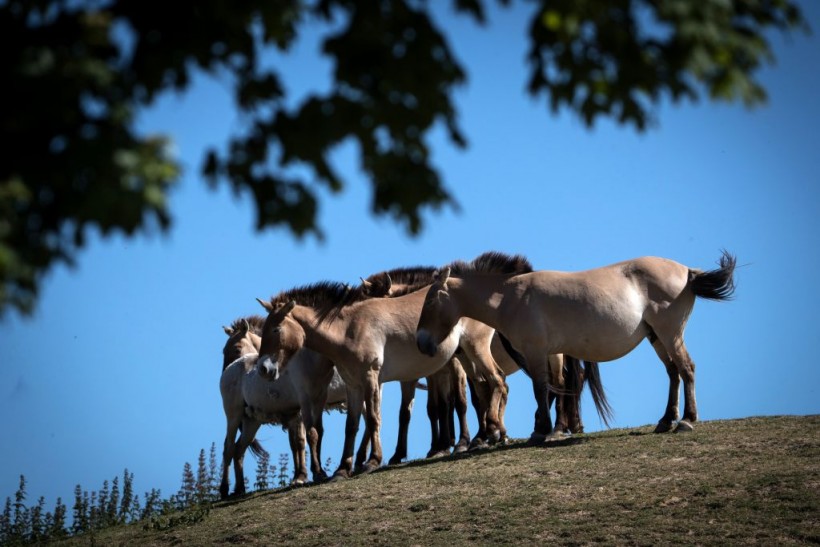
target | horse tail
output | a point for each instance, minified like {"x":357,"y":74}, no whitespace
{"x":716,"y":284}
{"x":516,"y":356}
{"x":257,"y":450}
{"x":255,"y":446}
{"x":596,"y":389}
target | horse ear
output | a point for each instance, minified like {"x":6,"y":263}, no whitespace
{"x":286,"y":309}
{"x":246,"y":325}
{"x":388,"y":282}
{"x":265,"y":304}
{"x":228,"y":330}
{"x":366,"y":285}
{"x":443,"y":275}
{"x":443,"y":296}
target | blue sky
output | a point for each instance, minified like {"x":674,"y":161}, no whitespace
{"x":119,"y":366}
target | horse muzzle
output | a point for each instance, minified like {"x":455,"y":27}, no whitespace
{"x":425,"y":343}
{"x":268,"y":368}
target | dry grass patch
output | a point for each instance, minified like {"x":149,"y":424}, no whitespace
{"x":751,"y":481}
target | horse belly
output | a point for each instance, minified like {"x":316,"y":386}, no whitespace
{"x":613,"y":328}
{"x":404,"y":362}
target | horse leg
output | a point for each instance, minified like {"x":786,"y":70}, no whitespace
{"x":373,"y":405}
{"x":576,"y":424}
{"x":571,"y":398}
{"x":539,"y":372}
{"x":481,"y":356}
{"x":686,"y":369}
{"x":364,"y":445}
{"x":444,"y":412}
{"x":355,"y":400}
{"x":408,"y":395}
{"x":478,"y":396}
{"x":228,"y":453}
{"x":312,"y":426}
{"x":557,"y":364}
{"x":460,"y":392}
{"x":432,"y":413}
{"x":249,"y":429}
{"x":297,"y":438}
{"x":312,"y":401}
{"x":671,"y":415}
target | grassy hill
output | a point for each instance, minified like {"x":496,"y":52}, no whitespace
{"x":755,"y":480}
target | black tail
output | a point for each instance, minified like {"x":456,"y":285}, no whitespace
{"x":596,"y":389}
{"x":257,"y":450}
{"x":715,"y":284}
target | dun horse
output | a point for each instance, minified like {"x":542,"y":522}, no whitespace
{"x":370,"y":342}
{"x":599,"y":314}
{"x":403,"y":280}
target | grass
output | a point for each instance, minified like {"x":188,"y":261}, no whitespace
{"x":749,"y":481}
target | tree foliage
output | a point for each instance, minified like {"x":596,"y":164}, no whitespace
{"x":79,"y":72}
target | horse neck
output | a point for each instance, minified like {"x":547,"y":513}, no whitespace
{"x":253,"y":342}
{"x":325,"y":339}
{"x":479,"y":296}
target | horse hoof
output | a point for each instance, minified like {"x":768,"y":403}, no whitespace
{"x":438,"y":454}
{"x":460,"y":448}
{"x":494,"y":437}
{"x":664,"y":427}
{"x":298,"y":482}
{"x":478,"y":444}
{"x":338,"y":477}
{"x":684,"y":427}
{"x":369,"y":468}
{"x":557,"y":436}
{"x":536,"y":439}
{"x":394,"y":461}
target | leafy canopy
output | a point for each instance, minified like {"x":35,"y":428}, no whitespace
{"x":77,"y":72}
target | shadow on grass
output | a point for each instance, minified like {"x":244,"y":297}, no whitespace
{"x":516,"y":444}
{"x":513,"y":445}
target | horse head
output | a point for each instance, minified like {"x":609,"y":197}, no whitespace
{"x":282,"y":337}
{"x":377,"y":285}
{"x":438,"y":315}
{"x":243,"y":338}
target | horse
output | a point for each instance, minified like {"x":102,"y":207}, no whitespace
{"x":447,"y":388}
{"x":600,"y":314}
{"x":403,"y":280}
{"x":295,"y":401}
{"x":370,"y":341}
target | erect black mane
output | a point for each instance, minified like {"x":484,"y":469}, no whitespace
{"x":327,"y":298}
{"x":410,"y":278}
{"x":255,"y":322}
{"x":493,"y":262}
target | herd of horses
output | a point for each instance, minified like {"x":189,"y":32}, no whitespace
{"x":331,"y":346}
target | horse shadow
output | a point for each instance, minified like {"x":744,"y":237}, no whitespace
{"x":514,"y":444}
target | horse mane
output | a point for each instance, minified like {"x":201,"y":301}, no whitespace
{"x":327,"y":298}
{"x":493,"y":262}
{"x":255,"y":322}
{"x":412,"y":278}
